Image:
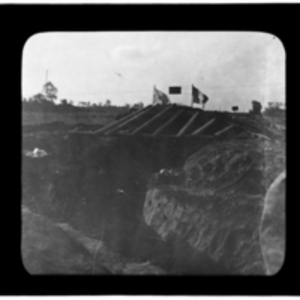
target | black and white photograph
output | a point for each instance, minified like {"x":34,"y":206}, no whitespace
{"x":153,"y":153}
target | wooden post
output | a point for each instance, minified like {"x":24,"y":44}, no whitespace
{"x":187,"y":125}
{"x":150,"y":121}
{"x":223,"y":130}
{"x":122,"y":124}
{"x":192,"y":99}
{"x":167,"y":123}
{"x":203,"y":127}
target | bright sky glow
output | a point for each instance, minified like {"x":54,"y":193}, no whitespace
{"x":232,"y":68}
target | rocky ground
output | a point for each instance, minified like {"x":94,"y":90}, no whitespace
{"x":56,"y":248}
{"x":215,"y":204}
{"x":95,"y":205}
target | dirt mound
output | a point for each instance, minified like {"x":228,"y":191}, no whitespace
{"x":51,"y":248}
{"x":97,"y":185}
{"x":87,"y":182}
{"x":250,"y":165}
{"x":215,"y":204}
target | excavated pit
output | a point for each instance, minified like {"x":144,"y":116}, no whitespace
{"x":98,"y":186}
{"x":101,"y":185}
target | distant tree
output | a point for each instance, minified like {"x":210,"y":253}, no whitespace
{"x":271,"y":104}
{"x":107,"y":103}
{"x":275,"y":104}
{"x":256,"y":107}
{"x":64,"y":102}
{"x":235,"y":108}
{"x":39,"y":98}
{"x":50,"y":91}
{"x":43,"y":101}
{"x":274,"y":109}
{"x":138,"y":105}
{"x":39,"y":102}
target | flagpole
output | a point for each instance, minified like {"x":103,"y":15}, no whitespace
{"x":192,"y":97}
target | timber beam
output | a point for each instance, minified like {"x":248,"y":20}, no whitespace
{"x":223,"y":130}
{"x":204,"y":126}
{"x":124,"y":123}
{"x":187,"y":125}
{"x":150,"y":121}
{"x":157,"y":131}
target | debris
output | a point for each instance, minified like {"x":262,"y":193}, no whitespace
{"x":260,"y":135}
{"x":76,"y":129}
{"x":36,"y":153}
{"x":119,"y":191}
{"x":169,"y":172}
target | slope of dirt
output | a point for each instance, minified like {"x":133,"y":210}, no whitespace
{"x":215,"y":205}
{"x":97,"y":185}
{"x":56,"y":248}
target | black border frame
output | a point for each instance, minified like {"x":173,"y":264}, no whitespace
{"x":19,"y":22}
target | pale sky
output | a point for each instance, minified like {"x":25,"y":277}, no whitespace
{"x":231,"y":68}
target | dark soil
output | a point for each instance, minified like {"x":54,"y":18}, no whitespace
{"x":98,"y":185}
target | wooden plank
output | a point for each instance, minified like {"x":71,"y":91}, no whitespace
{"x":187,"y":125}
{"x":167,"y":123}
{"x":109,"y":126}
{"x":122,"y":124}
{"x":223,"y":130}
{"x":204,"y":126}
{"x":81,"y":132}
{"x":151,"y":120}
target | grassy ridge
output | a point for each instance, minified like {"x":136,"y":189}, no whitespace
{"x":86,"y":117}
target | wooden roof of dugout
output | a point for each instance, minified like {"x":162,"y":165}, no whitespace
{"x":175,"y":121}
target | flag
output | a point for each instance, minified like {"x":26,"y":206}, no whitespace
{"x":198,"y":96}
{"x":160,"y":97}
{"x":175,"y":90}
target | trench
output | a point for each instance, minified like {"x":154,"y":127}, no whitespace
{"x":100,"y":190}
{"x":128,"y":175}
